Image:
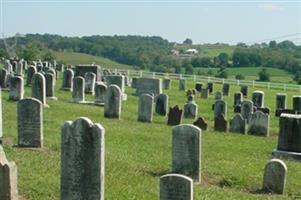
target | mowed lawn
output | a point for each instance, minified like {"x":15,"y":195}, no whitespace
{"x":137,"y":154}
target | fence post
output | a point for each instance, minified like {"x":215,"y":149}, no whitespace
{"x":269,"y":85}
{"x":154,"y":74}
{"x":208,"y":79}
{"x":238,"y":82}
{"x":128,"y":72}
{"x":194,"y":78}
{"x":140,"y":74}
{"x":253,"y":83}
{"x":284,"y":87}
{"x":181,"y":76}
{"x":115,"y":70}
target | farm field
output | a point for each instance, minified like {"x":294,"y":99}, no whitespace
{"x":137,"y":154}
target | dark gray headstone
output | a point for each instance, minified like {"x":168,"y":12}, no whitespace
{"x":161,"y":104}
{"x":100,"y":91}
{"x":68,"y":76}
{"x":78,"y":90}
{"x":201,"y":123}
{"x":166,"y":84}
{"x":182,"y":84}
{"x":220,"y":123}
{"x":30,"y":72}
{"x":297,"y":103}
{"x":244,"y":90}
{"x":226,"y":88}
{"x":220,"y":108}
{"x":175,"y":116}
{"x":3,"y":78}
{"x":16,"y":88}
{"x":145,"y":108}
{"x":81,"y":70}
{"x":50,"y":85}
{"x":238,"y":98}
{"x":38,"y":88}
{"x":210,"y":87}
{"x":247,"y":109}
{"x":198,"y":86}
{"x":258,"y":98}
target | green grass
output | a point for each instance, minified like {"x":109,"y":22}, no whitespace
{"x":137,"y":154}
{"x":81,"y":58}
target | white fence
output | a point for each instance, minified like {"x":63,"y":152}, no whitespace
{"x":197,"y":78}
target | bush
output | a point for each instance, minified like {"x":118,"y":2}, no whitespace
{"x":222,"y":74}
{"x":263,"y":75}
{"x":239,"y":77}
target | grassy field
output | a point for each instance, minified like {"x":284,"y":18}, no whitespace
{"x":137,"y":154}
{"x":81,"y":58}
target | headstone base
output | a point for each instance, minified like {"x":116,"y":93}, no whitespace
{"x":52,"y":98}
{"x":286,"y":154}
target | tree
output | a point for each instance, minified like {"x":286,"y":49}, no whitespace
{"x":30,"y":53}
{"x":263,"y":75}
{"x":239,"y":77}
{"x":222,"y":74}
{"x":222,"y":60}
{"x":273,"y":44}
{"x":188,"y":41}
{"x":48,"y":56}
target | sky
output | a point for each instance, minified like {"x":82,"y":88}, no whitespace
{"x":202,"y":21}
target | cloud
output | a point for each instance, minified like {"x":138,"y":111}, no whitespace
{"x":271,"y":7}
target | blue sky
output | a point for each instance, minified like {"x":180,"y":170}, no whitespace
{"x":202,"y":21}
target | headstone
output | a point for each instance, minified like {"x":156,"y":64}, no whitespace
{"x":244,"y":90}
{"x":218,"y":96}
{"x":198,"y":86}
{"x":175,"y":116}
{"x":189,"y":92}
{"x":161,"y":104}
{"x":259,"y":124}
{"x":151,"y":86}
{"x":297,"y":103}
{"x":90,"y":79}
{"x":38,"y":89}
{"x":265,"y":110}
{"x":68,"y":76}
{"x":3,"y":78}
{"x":30,"y":72}
{"x":117,"y":80}
{"x":50,"y":85}
{"x":220,"y":123}
{"x":238,"y":98}
{"x":82,"y":160}
{"x":100,"y":91}
{"x":182,"y":84}
{"x":258,"y":98}
{"x":176,"y":187}
{"x":190,"y":108}
{"x":280,"y":103}
{"x":8,"y":178}
{"x":145,"y":108}
{"x":220,"y":108}
{"x":16,"y":88}
{"x":205,"y":93}
{"x":226,"y":88}
{"x":238,"y":124}
{"x":166,"y":84}
{"x":19,"y":69}
{"x":201,"y":123}
{"x":112,"y":107}
{"x":81,"y":70}
{"x":289,"y":139}
{"x":274,"y":177}
{"x":247,"y":109}
{"x":30,"y":123}
{"x":210,"y":87}
{"x":186,"y":151}
{"x":134,"y":82}
{"x":78,"y":90}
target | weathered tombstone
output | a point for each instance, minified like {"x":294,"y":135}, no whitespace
{"x":19,"y":69}
{"x":30,"y":72}
{"x":182,"y":84}
{"x":238,"y":98}
{"x":81,"y":70}
{"x":78,"y":90}
{"x":274,"y":177}
{"x":16,"y":88}
{"x":201,"y":123}
{"x":68,"y":76}
{"x":280,"y":103}
{"x":166,"y":84}
{"x":190,"y":108}
{"x":175,"y":116}
{"x":189,"y":92}
{"x":297,"y":104}
{"x":100,"y":91}
{"x":244,"y":90}
{"x":220,"y":108}
{"x":145,"y":108}
{"x":265,"y":110}
{"x":226,"y":88}
{"x":117,"y":80}
{"x":30,"y":123}
{"x":238,"y":124}
{"x":8,"y":178}
{"x":82,"y":160}
{"x":8,"y":78}
{"x":259,"y":124}
{"x":205,"y":93}
{"x":134,"y":82}
{"x":258,"y":98}
{"x":220,"y":123}
{"x":218,"y":96}
{"x":161,"y":104}
{"x":3,"y":78}
{"x":90,"y":79}
{"x":198,"y":86}
{"x":194,"y":92}
{"x":112,"y":106}
{"x":210,"y":87}
{"x":289,"y":143}
{"x":38,"y":89}
{"x":247,"y":109}
{"x":186,"y":151}
{"x":50,"y":85}
{"x":176,"y":187}
{"x":151,"y":86}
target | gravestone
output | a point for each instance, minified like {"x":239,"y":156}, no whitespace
{"x":238,"y":124}
{"x":38,"y":88}
{"x":8,"y":178}
{"x":201,"y":123}
{"x":244,"y":90}
{"x":218,"y":96}
{"x":205,"y":93}
{"x":145,"y":108}
{"x":274,"y":177}
{"x":182,"y":84}
{"x":175,"y":116}
{"x":198,"y":86}
{"x":280,"y":103}
{"x":50,"y":86}
{"x":247,"y":109}
{"x":289,"y":143}
{"x":226,"y":88}
{"x":78,"y":90}
{"x":166,"y":84}
{"x":112,"y":106}
{"x":81,"y":70}
{"x":259,"y":124}
{"x":68,"y":76}
{"x":176,"y":187}
{"x":161,"y":104}
{"x":19,"y":69}
{"x":265,"y":110}
{"x":16,"y":88}
{"x":100,"y":91}
{"x":258,"y":98}
{"x":189,"y":92}
{"x":297,"y":103}
{"x":210,"y":87}
{"x":238,"y":98}
{"x":220,"y":123}
{"x":30,"y":72}
{"x":151,"y":86}
{"x":3,"y":78}
{"x":90,"y":79}
{"x":220,"y":108}
{"x":190,"y":108}
{"x":30,"y":123}
{"x":186,"y":151}
{"x":134,"y":82}
{"x":117,"y":80}
{"x":82,"y":160}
